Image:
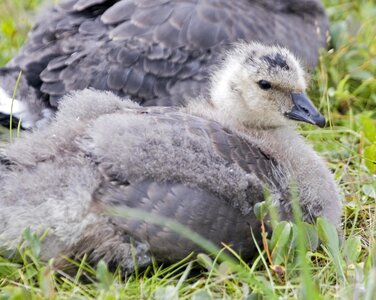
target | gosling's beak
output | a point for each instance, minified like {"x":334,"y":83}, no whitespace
{"x":303,"y":110}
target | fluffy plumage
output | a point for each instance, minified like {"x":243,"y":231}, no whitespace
{"x":156,"y":52}
{"x":205,"y":165}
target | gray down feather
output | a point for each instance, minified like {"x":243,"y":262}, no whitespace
{"x":103,"y":151}
{"x":116,"y":153}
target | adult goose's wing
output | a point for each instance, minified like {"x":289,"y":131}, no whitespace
{"x":185,"y":168}
{"x":157,"y":51}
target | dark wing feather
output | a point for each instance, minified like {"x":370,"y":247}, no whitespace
{"x":195,"y":208}
{"x":217,"y":216}
{"x":157,"y":52}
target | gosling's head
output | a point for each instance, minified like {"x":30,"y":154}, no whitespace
{"x":263,"y":86}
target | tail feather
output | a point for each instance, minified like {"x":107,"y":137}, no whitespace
{"x":5,"y":121}
{"x":27,"y":106}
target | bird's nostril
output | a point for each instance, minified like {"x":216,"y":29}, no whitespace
{"x":305,"y":110}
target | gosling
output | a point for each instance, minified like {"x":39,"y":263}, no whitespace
{"x":204,"y":166}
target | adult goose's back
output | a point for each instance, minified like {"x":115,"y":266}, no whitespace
{"x":159,"y":52}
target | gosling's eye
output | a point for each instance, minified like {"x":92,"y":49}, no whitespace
{"x":265,"y":85}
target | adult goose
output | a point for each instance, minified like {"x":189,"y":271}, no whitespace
{"x":158,"y":52}
{"x":205,"y":166}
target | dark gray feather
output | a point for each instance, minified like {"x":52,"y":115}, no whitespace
{"x":175,"y":41}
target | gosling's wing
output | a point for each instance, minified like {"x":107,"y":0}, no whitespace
{"x":195,"y":208}
{"x":216,"y":213}
{"x":157,"y":51}
{"x":148,"y":128}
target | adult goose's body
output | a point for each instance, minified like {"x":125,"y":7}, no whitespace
{"x":158,"y":52}
{"x":205,"y":166}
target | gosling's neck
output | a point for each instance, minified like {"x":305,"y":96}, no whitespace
{"x":236,"y":117}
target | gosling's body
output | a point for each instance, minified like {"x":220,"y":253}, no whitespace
{"x":201,"y":166}
{"x":156,"y":52}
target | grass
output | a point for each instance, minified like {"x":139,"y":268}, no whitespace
{"x":344,"y":87}
{"x":15,"y":21}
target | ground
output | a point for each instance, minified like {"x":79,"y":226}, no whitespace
{"x":344,"y":88}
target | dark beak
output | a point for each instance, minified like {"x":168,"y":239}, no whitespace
{"x":303,"y":110}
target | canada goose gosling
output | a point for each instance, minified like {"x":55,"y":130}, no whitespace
{"x":261,"y":92}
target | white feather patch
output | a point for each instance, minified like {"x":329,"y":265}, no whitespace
{"x":21,"y":111}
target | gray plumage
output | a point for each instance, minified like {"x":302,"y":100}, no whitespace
{"x":156,"y":52}
{"x":205,"y":166}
